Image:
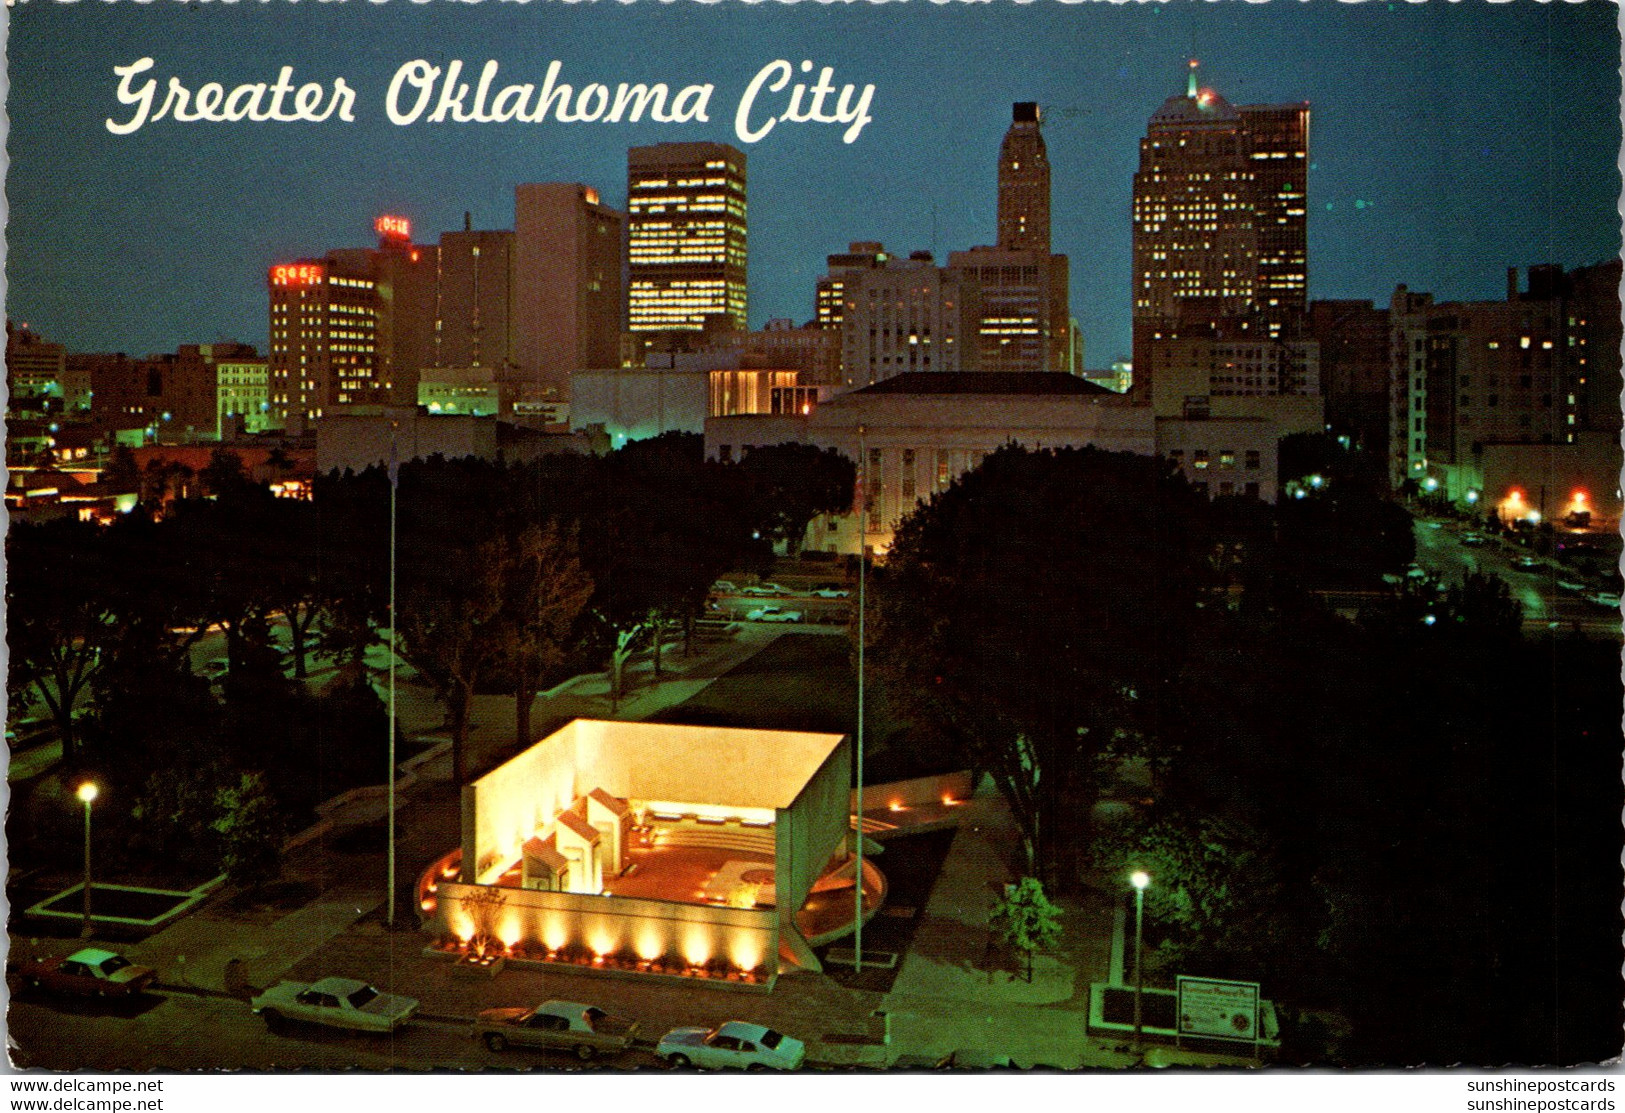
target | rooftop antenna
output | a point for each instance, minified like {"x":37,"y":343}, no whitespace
{"x":1190,"y":82}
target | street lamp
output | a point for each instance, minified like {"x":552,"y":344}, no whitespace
{"x":1139,"y":879}
{"x":87,"y":793}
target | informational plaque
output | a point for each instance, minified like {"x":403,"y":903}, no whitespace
{"x":1218,"y":1009}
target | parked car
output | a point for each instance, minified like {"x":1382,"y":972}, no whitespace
{"x":1527,"y":561}
{"x":1472,"y":539}
{"x":91,"y":972}
{"x":335,"y":1003}
{"x":763,"y":589}
{"x":585,"y":1030}
{"x":724,"y":586}
{"x":1609,"y":599}
{"x":735,"y":1044}
{"x":772,"y":613}
{"x":831,"y":591}
{"x":1571,"y":585}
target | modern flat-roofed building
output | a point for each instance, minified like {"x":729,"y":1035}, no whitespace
{"x":655,"y":848}
{"x":567,"y":301}
{"x":686,"y":237}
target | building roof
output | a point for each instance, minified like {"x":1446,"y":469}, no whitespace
{"x":546,"y":851}
{"x":983,"y":382}
{"x":1207,"y":107}
{"x":614,"y":803}
{"x":577,"y":824}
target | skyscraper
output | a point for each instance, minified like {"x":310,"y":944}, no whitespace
{"x":566,"y":284}
{"x":1220,"y":223}
{"x":350,"y":328}
{"x":1024,"y":183}
{"x":1020,"y":288}
{"x":685,"y":237}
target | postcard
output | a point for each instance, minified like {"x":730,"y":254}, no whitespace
{"x":1061,"y":539}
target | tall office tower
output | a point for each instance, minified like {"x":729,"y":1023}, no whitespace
{"x":351,"y":328}
{"x":685,"y":236}
{"x":1026,"y":321}
{"x":324,"y":335}
{"x":567,"y":284}
{"x":1278,"y":151}
{"x":1024,"y":183}
{"x":1220,"y":224}
{"x":1020,"y":287}
{"x":474,"y":299}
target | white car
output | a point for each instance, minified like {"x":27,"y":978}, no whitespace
{"x":722,"y":586}
{"x":1609,"y":599}
{"x":334,"y":1003}
{"x":831,"y":592}
{"x":772,"y":614}
{"x":735,"y":1044}
{"x":763,"y":589}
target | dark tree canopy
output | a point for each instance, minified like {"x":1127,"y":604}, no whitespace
{"x":791,"y":484}
{"x":1034,"y":612}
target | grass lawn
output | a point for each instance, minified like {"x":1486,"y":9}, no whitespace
{"x":808,"y":682}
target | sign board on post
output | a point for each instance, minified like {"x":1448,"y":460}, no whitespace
{"x":1218,"y":1009}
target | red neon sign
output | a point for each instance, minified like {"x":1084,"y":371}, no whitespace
{"x":395,"y":227}
{"x":297,"y":274}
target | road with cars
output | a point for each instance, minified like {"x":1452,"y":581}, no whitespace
{"x":1551,"y":594}
{"x":170,"y":1029}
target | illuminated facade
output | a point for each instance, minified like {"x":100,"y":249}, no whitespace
{"x":1473,"y":380}
{"x":664,"y":849}
{"x":1021,"y":289}
{"x":567,"y":301}
{"x":1220,"y":220}
{"x":242,"y":390}
{"x":1024,"y":322}
{"x":686,"y":242}
{"x":829,"y":299}
{"x":35,"y":369}
{"x":1024,"y":183}
{"x":351,"y":328}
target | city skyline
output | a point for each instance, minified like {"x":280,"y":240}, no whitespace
{"x":921,"y":175}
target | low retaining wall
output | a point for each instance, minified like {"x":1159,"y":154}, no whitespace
{"x":629,"y":930}
{"x":939,"y":789}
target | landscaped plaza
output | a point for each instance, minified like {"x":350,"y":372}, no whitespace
{"x":945,"y":990}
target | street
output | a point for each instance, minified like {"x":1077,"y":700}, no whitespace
{"x":1546,"y":606}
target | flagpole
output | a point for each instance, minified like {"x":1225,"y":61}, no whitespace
{"x":394,"y":483}
{"x":863,"y":560}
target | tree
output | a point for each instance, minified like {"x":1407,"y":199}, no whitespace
{"x":1216,"y":890}
{"x":544,"y":593}
{"x":449,"y":596}
{"x":251,"y":829}
{"x":224,"y":474}
{"x":1025,"y":919}
{"x":1033,"y":613}
{"x":791,"y":484}
{"x":61,"y":612}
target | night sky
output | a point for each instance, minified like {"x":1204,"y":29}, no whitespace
{"x":1448,"y":141}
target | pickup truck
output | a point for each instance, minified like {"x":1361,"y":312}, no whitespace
{"x":335,"y":1003}
{"x":585,"y":1030}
